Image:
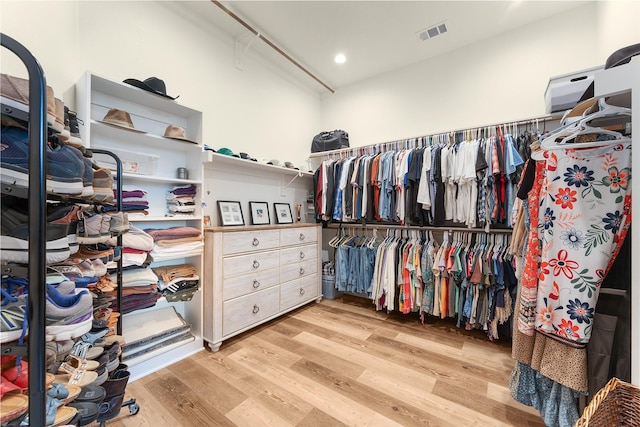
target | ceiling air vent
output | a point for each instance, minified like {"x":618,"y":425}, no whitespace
{"x":431,"y":32}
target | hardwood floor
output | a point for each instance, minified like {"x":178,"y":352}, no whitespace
{"x":337,"y":363}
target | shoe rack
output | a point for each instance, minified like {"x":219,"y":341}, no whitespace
{"x":154,"y":163}
{"x":37,"y":195}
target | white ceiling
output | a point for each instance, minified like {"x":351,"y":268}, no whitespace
{"x":376,"y":36}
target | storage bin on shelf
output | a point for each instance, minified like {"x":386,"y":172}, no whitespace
{"x":132,"y":162}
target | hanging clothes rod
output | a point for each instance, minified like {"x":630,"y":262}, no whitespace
{"x":414,"y":141}
{"x":270,"y":44}
{"x":356,"y":225}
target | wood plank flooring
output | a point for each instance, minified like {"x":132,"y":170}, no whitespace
{"x":337,"y":363}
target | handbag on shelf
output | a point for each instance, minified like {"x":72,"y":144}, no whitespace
{"x":333,"y":140}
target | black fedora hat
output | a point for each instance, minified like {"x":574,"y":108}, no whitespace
{"x":152,"y":84}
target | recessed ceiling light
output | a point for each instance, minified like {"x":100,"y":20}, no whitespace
{"x":340,"y":58}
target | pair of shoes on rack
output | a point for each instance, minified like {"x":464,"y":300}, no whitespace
{"x":68,"y":316}
{"x":14,"y":92}
{"x":14,"y":236}
{"x":65,"y":170}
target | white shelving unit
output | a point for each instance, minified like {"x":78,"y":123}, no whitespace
{"x":624,"y":81}
{"x":150,"y":113}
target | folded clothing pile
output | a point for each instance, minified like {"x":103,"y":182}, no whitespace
{"x":175,"y":242}
{"x":139,"y":289}
{"x":149,"y":332}
{"x":177,"y":282}
{"x":181,"y":200}
{"x":134,"y":201}
{"x":136,"y":246}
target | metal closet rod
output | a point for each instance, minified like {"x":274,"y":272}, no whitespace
{"x":270,"y":43}
{"x":436,"y":229}
{"x":415,"y":139}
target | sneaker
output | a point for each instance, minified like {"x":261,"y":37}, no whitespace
{"x":103,"y":186}
{"x":14,"y":238}
{"x":105,"y":228}
{"x":58,"y":124}
{"x":64,"y":171}
{"x":68,"y":316}
{"x":89,"y":230}
{"x":66,"y":215}
{"x":14,"y":92}
{"x":13,"y":320}
{"x":93,"y":252}
{"x":99,"y":267}
{"x":74,"y":129}
{"x":87,"y":176}
{"x":119,"y":223}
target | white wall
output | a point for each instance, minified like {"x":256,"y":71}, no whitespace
{"x":492,"y":81}
{"x":259,"y":110}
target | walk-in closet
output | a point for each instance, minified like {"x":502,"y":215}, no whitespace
{"x":319,"y":213}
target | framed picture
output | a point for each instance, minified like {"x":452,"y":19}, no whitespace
{"x":259,"y":213}
{"x":230,"y":213}
{"x":283,"y":213}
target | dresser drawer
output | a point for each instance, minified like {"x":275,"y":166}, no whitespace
{"x":298,"y":291}
{"x":297,"y":254}
{"x":297,"y":270}
{"x":251,"y":263}
{"x":296,"y":236}
{"x":245,"y":241}
{"x":250,"y":283}
{"x":249,"y":309}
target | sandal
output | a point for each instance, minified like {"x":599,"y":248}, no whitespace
{"x":21,"y":378}
{"x":12,"y":406}
{"x":85,"y":350}
{"x":56,"y":413}
{"x":73,"y":362}
{"x":64,"y":392}
{"x":75,"y":375}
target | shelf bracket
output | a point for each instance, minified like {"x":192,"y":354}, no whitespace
{"x":298,"y":175}
{"x":241,"y":51}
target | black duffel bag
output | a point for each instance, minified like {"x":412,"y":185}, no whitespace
{"x":334,"y":140}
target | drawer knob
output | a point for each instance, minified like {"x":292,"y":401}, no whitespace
{"x":256,"y":284}
{"x":301,"y":236}
{"x":255,"y":242}
{"x":256,"y":264}
{"x":301,"y":255}
{"x":301,"y":271}
{"x":301,"y":291}
{"x":256,"y":309}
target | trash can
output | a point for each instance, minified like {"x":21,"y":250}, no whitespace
{"x":329,"y":290}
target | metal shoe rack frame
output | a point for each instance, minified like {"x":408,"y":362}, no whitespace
{"x":37,"y":267}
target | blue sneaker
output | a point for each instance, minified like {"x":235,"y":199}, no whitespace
{"x":68,"y":316}
{"x":65,"y":171}
{"x":13,"y":318}
{"x":87,"y":177}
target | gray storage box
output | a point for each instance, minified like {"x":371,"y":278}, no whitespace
{"x":564,"y":92}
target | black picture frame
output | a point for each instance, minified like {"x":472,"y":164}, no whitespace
{"x":230,"y":213}
{"x":283,"y":213}
{"x":259,"y":213}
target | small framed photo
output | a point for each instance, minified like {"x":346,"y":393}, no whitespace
{"x":283,"y":213}
{"x":259,"y":213}
{"x":230,"y":213}
{"x":207,"y":221}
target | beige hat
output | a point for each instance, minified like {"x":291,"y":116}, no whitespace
{"x":121,"y":119}
{"x":176,"y":132}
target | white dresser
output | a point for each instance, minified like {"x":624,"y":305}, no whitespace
{"x":254,"y":274}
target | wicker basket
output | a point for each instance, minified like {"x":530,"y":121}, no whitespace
{"x":615,"y":405}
